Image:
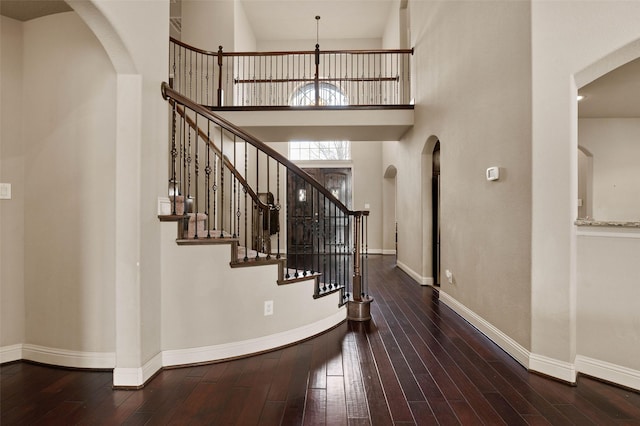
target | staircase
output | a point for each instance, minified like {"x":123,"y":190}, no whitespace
{"x":227,"y":187}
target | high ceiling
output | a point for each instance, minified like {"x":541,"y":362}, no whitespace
{"x":339,"y":19}
{"x":613,"y":95}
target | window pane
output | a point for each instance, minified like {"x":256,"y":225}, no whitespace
{"x":320,"y":151}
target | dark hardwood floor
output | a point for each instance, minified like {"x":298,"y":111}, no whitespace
{"x":416,"y":362}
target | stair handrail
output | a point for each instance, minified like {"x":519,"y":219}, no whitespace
{"x":169,"y":93}
{"x":363,"y":77}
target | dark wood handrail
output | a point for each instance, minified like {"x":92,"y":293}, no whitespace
{"x":169,"y":93}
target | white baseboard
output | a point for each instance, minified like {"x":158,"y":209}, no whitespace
{"x":389,"y":251}
{"x":413,"y":274}
{"x":610,"y":372}
{"x":246,"y":347}
{"x":10,"y":353}
{"x":67,"y":358}
{"x":380,"y":251}
{"x":552,"y":367}
{"x":135,"y":377}
{"x":510,"y":346}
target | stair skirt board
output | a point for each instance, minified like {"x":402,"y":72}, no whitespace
{"x":178,"y":357}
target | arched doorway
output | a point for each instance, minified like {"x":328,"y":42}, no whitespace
{"x":429,"y":228}
{"x":435,"y":212}
{"x":390,"y":223}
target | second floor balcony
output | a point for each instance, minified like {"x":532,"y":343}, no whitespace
{"x":355,"y":95}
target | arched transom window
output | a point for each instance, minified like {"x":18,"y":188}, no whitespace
{"x":330,"y":94}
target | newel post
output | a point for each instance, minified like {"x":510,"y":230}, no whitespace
{"x":358,"y":307}
{"x":220,"y":91}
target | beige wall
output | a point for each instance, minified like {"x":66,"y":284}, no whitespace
{"x":209,"y":24}
{"x":615,"y":146}
{"x":12,"y":306}
{"x":69,"y":133}
{"x":477,"y":102}
{"x":566,"y":55}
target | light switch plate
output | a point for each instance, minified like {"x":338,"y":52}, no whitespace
{"x":493,"y":173}
{"x":5,"y":191}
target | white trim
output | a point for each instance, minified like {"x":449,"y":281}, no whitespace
{"x":553,"y":367}
{"x":66,"y":358}
{"x":378,"y":251}
{"x":247,"y":347}
{"x":137,"y":376}
{"x":413,"y":274}
{"x":610,"y":372}
{"x":10,"y":353}
{"x":389,"y":251}
{"x":510,"y":346}
{"x":604,"y":234}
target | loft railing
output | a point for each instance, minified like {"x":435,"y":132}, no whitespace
{"x":304,"y":78}
{"x":230,"y":185}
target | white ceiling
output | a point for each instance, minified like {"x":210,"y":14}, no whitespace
{"x":339,"y":19}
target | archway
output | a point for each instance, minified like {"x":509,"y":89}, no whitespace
{"x":429,"y":227}
{"x":604,"y":178}
{"x":390,"y":225}
{"x":435,"y":212}
{"x":110,"y":32}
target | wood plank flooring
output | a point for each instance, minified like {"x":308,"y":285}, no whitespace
{"x":415,"y":362}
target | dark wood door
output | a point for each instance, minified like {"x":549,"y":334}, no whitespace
{"x":317,"y":231}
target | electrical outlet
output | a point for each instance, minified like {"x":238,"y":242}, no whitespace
{"x":449,"y":276}
{"x":5,"y":191}
{"x":268,"y":307}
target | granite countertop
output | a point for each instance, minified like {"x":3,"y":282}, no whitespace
{"x":610,"y":223}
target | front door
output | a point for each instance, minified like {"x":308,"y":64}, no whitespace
{"x":317,"y":231}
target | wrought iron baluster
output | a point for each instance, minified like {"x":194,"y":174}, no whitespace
{"x":196,"y":173}
{"x":269,"y":208}
{"x":236,"y":205}
{"x":222,"y":167}
{"x":246,"y":162}
{"x":214,"y":187}
{"x":208,"y":179}
{"x":174,"y":154}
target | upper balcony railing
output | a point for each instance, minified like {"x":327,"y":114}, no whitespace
{"x":281,"y":79}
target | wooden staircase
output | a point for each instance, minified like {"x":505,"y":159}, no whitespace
{"x":232,"y":181}
{"x":241,"y":257}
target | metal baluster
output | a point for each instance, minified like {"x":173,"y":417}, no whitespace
{"x":208,"y":179}
{"x":246,"y":162}
{"x":221,"y":181}
{"x":288,"y":225}
{"x":214,"y":187}
{"x":181,"y":164}
{"x":188,"y":165}
{"x":197,"y":173}
{"x":270,"y":205}
{"x":174,"y":154}
{"x":317,"y":231}
{"x":278,"y":207}
{"x":235,"y":183}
